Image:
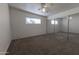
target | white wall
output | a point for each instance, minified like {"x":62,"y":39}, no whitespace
{"x":73,"y":24}
{"x":21,"y":29}
{"x":5,"y":37}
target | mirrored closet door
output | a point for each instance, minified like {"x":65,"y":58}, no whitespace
{"x":61,"y":28}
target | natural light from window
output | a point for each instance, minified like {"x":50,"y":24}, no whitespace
{"x":33,"y":20}
{"x":52,"y":22}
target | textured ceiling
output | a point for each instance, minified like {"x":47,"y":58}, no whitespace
{"x":53,"y":8}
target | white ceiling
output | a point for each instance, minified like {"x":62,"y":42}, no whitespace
{"x":53,"y":8}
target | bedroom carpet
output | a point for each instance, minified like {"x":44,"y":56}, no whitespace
{"x":48,"y":44}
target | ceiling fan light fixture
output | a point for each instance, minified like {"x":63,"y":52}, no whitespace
{"x":43,"y":10}
{"x":70,"y":17}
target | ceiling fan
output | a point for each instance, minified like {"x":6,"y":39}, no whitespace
{"x":44,"y":7}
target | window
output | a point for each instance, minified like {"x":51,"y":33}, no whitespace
{"x":33,"y":21}
{"x":52,"y":22}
